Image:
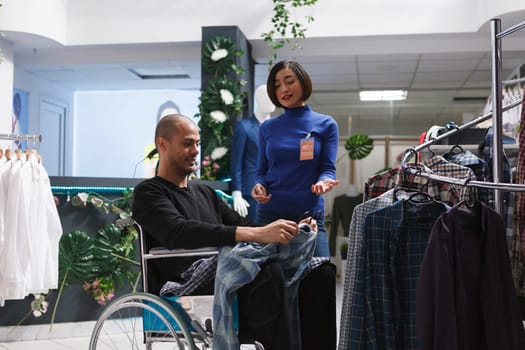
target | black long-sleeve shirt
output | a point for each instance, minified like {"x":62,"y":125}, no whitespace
{"x":465,"y":293}
{"x":175,"y":217}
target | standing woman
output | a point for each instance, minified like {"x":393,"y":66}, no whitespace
{"x":297,"y":153}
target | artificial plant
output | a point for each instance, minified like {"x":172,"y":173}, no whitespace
{"x":287,"y":28}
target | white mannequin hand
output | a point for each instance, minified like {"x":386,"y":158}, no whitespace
{"x":240,"y":205}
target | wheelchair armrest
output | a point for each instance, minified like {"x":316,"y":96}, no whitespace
{"x":161,"y":252}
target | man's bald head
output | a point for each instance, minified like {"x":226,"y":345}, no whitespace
{"x":170,"y":125}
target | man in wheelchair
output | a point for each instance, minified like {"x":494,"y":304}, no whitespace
{"x":175,"y":213}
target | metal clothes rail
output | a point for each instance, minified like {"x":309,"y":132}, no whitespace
{"x":16,"y":137}
{"x":496,"y":114}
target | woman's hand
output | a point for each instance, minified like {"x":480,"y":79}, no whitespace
{"x":324,"y":186}
{"x":259,"y":194}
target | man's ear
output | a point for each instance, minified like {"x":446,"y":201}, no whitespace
{"x":162,"y":144}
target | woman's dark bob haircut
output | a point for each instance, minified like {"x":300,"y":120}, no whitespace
{"x":302,"y":76}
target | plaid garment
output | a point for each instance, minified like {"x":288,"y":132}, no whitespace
{"x":521,"y":177}
{"x":442,"y":167}
{"x":378,"y":184}
{"x":199,"y":274}
{"x":239,"y":265}
{"x":469,"y":160}
{"x":383,"y":313}
{"x":478,"y":166}
{"x":355,"y":245}
{"x":517,"y":261}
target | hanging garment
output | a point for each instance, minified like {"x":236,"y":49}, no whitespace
{"x":239,"y":265}
{"x":440,"y":166}
{"x":465,"y":294}
{"x":382,"y":311}
{"x":14,"y":261}
{"x":355,"y":245}
{"x":378,"y":184}
{"x":341,"y":215}
{"x":30,"y":229}
{"x":468,"y":159}
{"x":521,"y":177}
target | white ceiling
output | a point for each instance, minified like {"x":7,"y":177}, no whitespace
{"x":448,"y":77}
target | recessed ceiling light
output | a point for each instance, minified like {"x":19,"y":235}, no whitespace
{"x":383,"y":95}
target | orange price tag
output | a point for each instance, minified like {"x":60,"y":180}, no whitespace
{"x":307,"y":149}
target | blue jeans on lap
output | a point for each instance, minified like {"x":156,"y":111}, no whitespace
{"x":321,"y":243}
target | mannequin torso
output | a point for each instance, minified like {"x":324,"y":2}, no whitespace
{"x":245,"y":146}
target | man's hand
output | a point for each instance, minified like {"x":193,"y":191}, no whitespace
{"x":259,"y":194}
{"x":324,"y":186}
{"x":279,"y":231}
{"x":240,"y":205}
{"x":310,"y":221}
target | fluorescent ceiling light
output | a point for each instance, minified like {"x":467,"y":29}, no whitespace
{"x":383,"y":95}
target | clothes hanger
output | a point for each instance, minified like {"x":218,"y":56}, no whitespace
{"x":418,"y":195}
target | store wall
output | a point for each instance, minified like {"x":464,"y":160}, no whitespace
{"x":114,"y":130}
{"x":38,"y":89}
{"x":6,"y":87}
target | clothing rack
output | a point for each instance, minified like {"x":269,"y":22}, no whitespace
{"x":497,"y":111}
{"x":513,"y":81}
{"x":427,"y":144}
{"x":26,"y":137}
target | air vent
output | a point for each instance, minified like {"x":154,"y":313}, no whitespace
{"x":470,"y":99}
{"x":159,"y":76}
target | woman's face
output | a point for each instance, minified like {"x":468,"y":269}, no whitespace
{"x":288,"y":89}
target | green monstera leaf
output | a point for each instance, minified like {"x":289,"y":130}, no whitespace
{"x":115,"y":253}
{"x":75,"y":257}
{"x":359,"y":146}
{"x":75,"y":262}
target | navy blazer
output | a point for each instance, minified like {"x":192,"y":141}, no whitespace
{"x":244,"y":153}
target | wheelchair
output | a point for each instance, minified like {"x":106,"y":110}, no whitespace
{"x":142,"y":320}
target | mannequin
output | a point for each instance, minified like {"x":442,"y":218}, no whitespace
{"x":245,"y":145}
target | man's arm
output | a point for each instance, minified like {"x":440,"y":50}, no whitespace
{"x":280,"y":231}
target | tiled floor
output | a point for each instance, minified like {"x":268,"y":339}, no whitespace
{"x":74,"y":336}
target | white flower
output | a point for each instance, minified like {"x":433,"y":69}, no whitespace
{"x":218,"y":153}
{"x":218,"y":116}
{"x":39,"y":305}
{"x":226,"y":97}
{"x":219,"y":54}
{"x":83,"y":196}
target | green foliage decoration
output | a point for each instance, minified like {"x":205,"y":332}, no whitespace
{"x":115,"y":255}
{"x":100,"y":263}
{"x":359,"y":146}
{"x":221,"y":99}
{"x":75,"y":262}
{"x":287,"y":29}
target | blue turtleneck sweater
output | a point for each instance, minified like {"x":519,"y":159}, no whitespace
{"x":279,"y":169}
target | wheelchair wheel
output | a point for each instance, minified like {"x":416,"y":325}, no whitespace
{"x":141,"y":321}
